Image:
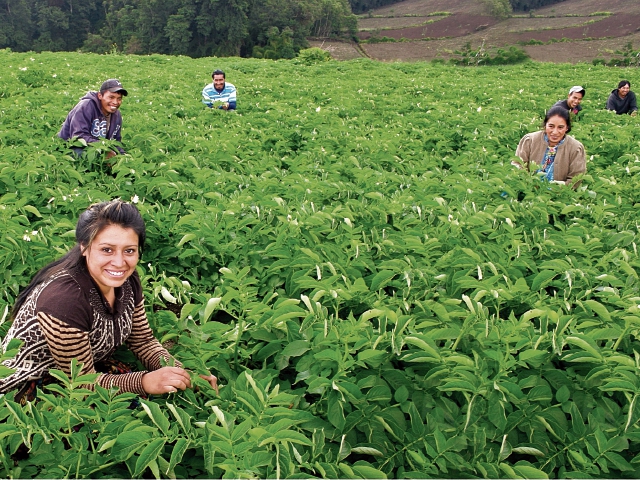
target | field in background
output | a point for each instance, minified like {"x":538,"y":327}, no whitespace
{"x":569,"y":31}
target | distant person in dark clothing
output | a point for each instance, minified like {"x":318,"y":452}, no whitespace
{"x":96,"y":116}
{"x":573,"y":101}
{"x":622,"y":99}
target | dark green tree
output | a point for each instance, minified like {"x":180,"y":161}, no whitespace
{"x":230,"y":21}
{"x":296,"y":15}
{"x":185,"y":27}
{"x":279,"y":45}
{"x":52,"y":26}
{"x":152,"y":18}
{"x":120,"y":26}
{"x":499,"y":8}
{"x":63,"y":24}
{"x":16,"y":25}
{"x":335,"y":17}
{"x":527,"y":5}
{"x":362,"y":6}
{"x":179,"y":29}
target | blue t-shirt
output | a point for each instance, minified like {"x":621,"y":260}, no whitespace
{"x":228,"y":95}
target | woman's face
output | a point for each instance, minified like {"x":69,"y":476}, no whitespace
{"x":112,"y":257}
{"x":622,"y":91}
{"x":556,"y":129}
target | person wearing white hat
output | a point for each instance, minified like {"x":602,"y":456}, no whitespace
{"x":573,"y":101}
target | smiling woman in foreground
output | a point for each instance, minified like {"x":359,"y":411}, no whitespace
{"x":87,"y":304}
{"x":560,"y":156}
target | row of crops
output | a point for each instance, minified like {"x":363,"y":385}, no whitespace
{"x":379,"y":291}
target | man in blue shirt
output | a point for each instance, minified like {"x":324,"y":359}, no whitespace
{"x":220,"y":93}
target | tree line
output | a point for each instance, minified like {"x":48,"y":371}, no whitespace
{"x":363,"y":6}
{"x":528,"y":5}
{"x":262,"y":28}
{"x":258,"y":28}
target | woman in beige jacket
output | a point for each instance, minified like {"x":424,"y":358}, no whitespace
{"x":560,"y":156}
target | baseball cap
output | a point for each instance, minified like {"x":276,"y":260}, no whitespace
{"x":114,"y":86}
{"x":576,"y":89}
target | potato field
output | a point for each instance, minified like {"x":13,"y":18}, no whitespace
{"x":379,"y":291}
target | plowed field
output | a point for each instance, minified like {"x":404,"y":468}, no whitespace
{"x":571,"y":31}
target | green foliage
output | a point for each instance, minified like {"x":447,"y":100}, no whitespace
{"x":529,"y":5}
{"x":335,"y":18}
{"x":95,"y":44}
{"x":380,"y":293}
{"x":361,"y":6}
{"x":499,"y":8}
{"x":470,"y":57}
{"x":179,"y":27}
{"x":511,"y":56}
{"x":279,"y":45}
{"x":532,"y":41}
{"x":33,"y":77}
{"x":625,"y":57}
{"x":379,"y":39}
{"x":309,"y":56}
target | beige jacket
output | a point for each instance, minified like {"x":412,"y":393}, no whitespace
{"x":569,"y":162}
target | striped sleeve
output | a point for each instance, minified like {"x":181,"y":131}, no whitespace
{"x":66,"y":343}
{"x":231,"y":98}
{"x":144,"y":345}
{"x":206,"y":98}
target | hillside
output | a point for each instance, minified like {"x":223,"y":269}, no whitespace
{"x":572,"y":31}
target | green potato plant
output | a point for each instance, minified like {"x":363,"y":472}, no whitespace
{"x":380,"y":293}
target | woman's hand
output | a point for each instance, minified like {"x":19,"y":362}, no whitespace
{"x":167,"y":380}
{"x":212,"y":379}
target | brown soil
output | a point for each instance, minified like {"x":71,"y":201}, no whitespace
{"x":519,"y":24}
{"x":574,"y":52}
{"x":562,"y":52}
{"x":584,"y":7}
{"x":427,"y":7}
{"x":395,"y":22}
{"x":469,"y":25}
{"x":617,"y":25}
{"x":457,"y":25}
{"x":338,"y":50}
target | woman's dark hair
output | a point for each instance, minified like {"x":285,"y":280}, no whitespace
{"x":559,"y":111}
{"x":91,"y":222}
{"x":622,"y":83}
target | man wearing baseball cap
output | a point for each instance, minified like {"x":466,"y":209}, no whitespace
{"x":96,"y":116}
{"x":573,"y":101}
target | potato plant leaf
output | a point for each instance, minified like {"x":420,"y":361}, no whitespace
{"x":148,"y":455}
{"x":155,"y":414}
{"x":128,"y":443}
